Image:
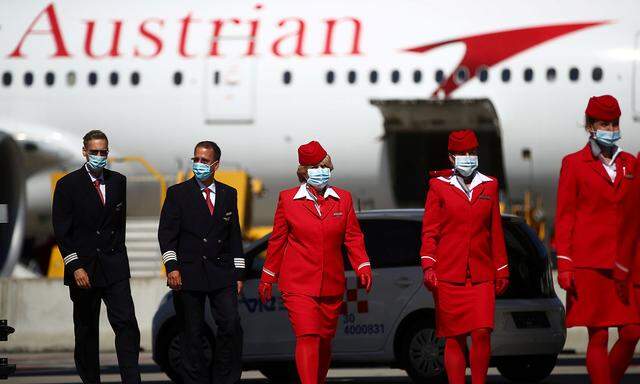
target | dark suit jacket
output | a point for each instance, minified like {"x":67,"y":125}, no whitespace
{"x":91,"y":235}
{"x":207,"y":249}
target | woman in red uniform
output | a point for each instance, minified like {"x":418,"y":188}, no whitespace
{"x":312,"y":223}
{"x":464,"y":258}
{"x":594,"y":241}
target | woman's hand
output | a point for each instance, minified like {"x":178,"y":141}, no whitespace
{"x":622,"y":289}
{"x":366,"y":279}
{"x":566,"y":281}
{"x":430,"y":279}
{"x":501,"y":286}
{"x":264,"y":290}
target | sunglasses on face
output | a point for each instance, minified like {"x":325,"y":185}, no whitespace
{"x":98,"y":152}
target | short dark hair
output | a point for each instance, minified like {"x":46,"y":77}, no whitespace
{"x":209,"y":145}
{"x":94,"y":135}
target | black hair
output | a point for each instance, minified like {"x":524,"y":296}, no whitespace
{"x":210,"y":145}
{"x":94,"y":135}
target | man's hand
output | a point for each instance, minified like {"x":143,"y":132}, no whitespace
{"x":430,"y":280}
{"x":501,"y":286}
{"x":174,"y":280}
{"x":264,"y":290}
{"x":240,"y":287}
{"x":82,"y":279}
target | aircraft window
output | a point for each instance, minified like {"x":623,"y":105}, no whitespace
{"x":28,"y":79}
{"x":351,"y":77}
{"x":417,"y":76}
{"x":574,"y":74}
{"x":92,"y":78}
{"x":395,"y":76}
{"x":506,"y":75}
{"x":331,"y":76}
{"x":71,"y":78}
{"x":7,"y":79}
{"x":373,"y":76}
{"x":49,"y":78}
{"x":551,"y":74}
{"x":483,"y":74}
{"x":177,"y":78}
{"x":596,"y":74}
{"x":216,"y":78}
{"x":439,"y":76}
{"x":528,"y":75}
{"x":462,"y":74}
{"x":135,"y":78}
{"x":286,"y":77}
{"x":113,"y":78}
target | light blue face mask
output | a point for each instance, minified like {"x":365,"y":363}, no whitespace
{"x":318,"y":177}
{"x":466,"y":165}
{"x":607,"y":138}
{"x":201,"y":171}
{"x":97,"y":163}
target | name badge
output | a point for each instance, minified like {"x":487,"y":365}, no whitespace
{"x":629,"y":176}
{"x":337,"y":213}
{"x":484,"y":197}
{"x":228,"y":214}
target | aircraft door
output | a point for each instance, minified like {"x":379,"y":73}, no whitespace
{"x":230,"y":83}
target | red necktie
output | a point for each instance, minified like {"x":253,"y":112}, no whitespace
{"x":208,"y":200}
{"x":97,"y":185}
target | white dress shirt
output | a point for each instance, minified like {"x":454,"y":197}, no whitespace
{"x":206,"y":190}
{"x":103,"y":189}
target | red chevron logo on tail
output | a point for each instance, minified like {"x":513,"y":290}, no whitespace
{"x":486,"y":50}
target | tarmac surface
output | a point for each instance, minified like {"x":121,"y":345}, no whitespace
{"x":59,"y":368}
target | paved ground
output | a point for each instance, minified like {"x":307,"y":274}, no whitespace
{"x":58,"y":368}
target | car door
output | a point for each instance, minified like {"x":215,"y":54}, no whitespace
{"x":393,"y":247}
{"x":266,"y":326}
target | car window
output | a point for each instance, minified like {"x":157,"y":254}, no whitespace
{"x":391,"y":243}
{"x":254,"y":254}
{"x":527,"y":263}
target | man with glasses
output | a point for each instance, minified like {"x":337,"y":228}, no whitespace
{"x":89,"y":217}
{"x":201,"y":246}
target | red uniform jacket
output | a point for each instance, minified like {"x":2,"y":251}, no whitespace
{"x":463,"y":237}
{"x":633,"y":216}
{"x":304,"y":254}
{"x":592,"y":217}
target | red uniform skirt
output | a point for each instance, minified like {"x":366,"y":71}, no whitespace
{"x":313,"y":315}
{"x":596,"y":303}
{"x":461,"y":308}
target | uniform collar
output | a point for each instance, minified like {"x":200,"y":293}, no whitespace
{"x":303,"y":193}
{"x":596,"y":151}
{"x":212,"y":187}
{"x":478,"y":179}
{"x":93,"y":178}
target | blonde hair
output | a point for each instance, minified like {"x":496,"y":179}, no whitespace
{"x":301,"y":172}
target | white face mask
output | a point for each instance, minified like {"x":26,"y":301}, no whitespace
{"x":466,"y":165}
{"x":318,"y":177}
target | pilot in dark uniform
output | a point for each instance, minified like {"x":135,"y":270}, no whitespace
{"x":201,"y":248}
{"x":89,"y":215}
